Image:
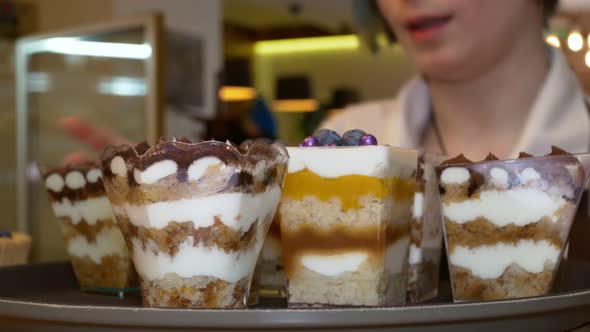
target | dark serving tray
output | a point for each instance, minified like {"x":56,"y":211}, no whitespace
{"x":45,"y":297}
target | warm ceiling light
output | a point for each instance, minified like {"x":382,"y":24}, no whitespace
{"x":295,"y":105}
{"x":311,"y":44}
{"x":575,"y":41}
{"x":587,"y":59}
{"x":63,"y":45}
{"x":236,"y":93}
{"x":553,"y":41}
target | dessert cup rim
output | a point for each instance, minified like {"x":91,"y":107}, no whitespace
{"x":573,"y":156}
{"x":113,"y":150}
{"x":83,"y":166}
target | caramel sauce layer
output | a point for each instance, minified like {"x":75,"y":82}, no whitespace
{"x":337,"y":240}
{"x":170,"y":237}
{"x":348,"y":188}
{"x":71,"y":230}
{"x":481,"y":232}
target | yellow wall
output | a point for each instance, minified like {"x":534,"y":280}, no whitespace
{"x":374,"y":76}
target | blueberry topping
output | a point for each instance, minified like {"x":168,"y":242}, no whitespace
{"x":309,"y":142}
{"x":328,"y":137}
{"x":352,"y":137}
{"x":5,"y":233}
{"x":368,"y":139}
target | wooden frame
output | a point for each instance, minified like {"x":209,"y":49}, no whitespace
{"x":153,"y":24}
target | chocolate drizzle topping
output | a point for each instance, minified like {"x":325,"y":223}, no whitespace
{"x":490,"y":157}
{"x":524,"y":155}
{"x":89,"y":190}
{"x":555,"y":151}
{"x":555,"y":166}
{"x":460,"y":159}
{"x":183,"y":152}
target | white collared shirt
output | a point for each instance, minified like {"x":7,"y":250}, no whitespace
{"x":559,"y":116}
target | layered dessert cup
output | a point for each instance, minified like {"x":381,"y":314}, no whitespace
{"x":345,"y":225}
{"x":506,"y":223}
{"x":426,"y":233}
{"x":194,"y":216}
{"x":97,"y":250}
{"x":14,"y":248}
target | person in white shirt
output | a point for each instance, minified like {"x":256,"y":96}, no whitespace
{"x":487,"y":83}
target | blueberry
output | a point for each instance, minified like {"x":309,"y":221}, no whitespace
{"x":368,"y":139}
{"x":352,"y":137}
{"x":328,"y":137}
{"x":309,"y":141}
{"x":5,"y":233}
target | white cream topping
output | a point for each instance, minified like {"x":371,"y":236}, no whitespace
{"x":331,"y":163}
{"x":202,"y":210}
{"x":455,"y":175}
{"x":489,"y":262}
{"x":93,"y":175}
{"x":499,"y":177}
{"x":118,"y":166}
{"x":91,"y":210}
{"x":55,"y":182}
{"x":396,"y":255}
{"x":109,"y":241}
{"x":418,"y":206}
{"x":519,"y":206}
{"x":75,"y":180}
{"x":155,"y":172}
{"x":333,"y":265}
{"x":415,"y":256}
{"x":528,"y":174}
{"x":192,"y":261}
{"x":199,"y":167}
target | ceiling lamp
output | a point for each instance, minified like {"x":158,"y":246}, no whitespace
{"x":293,"y":94}
{"x":237,"y":81}
{"x":587,"y":59}
{"x":553,"y":41}
{"x":229,"y":93}
{"x":295,"y":105}
{"x":311,"y":44}
{"x":575,"y":41}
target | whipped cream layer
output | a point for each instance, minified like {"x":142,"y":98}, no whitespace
{"x":90,"y":210}
{"x":334,"y":265}
{"x":198,"y":260}
{"x":500,"y":177}
{"x":109,"y":241}
{"x":74,"y":180}
{"x":155,"y":172}
{"x":236,"y":210}
{"x":330,"y":162}
{"x":519,"y":206}
{"x":455,"y":175}
{"x":418,"y":206}
{"x":415,"y":256}
{"x":490,"y":262}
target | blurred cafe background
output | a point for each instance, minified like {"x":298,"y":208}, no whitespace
{"x":77,"y":75}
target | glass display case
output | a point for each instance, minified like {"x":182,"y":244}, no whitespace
{"x":78,"y":91}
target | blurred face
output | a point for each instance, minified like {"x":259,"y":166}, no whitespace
{"x":458,"y":39}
